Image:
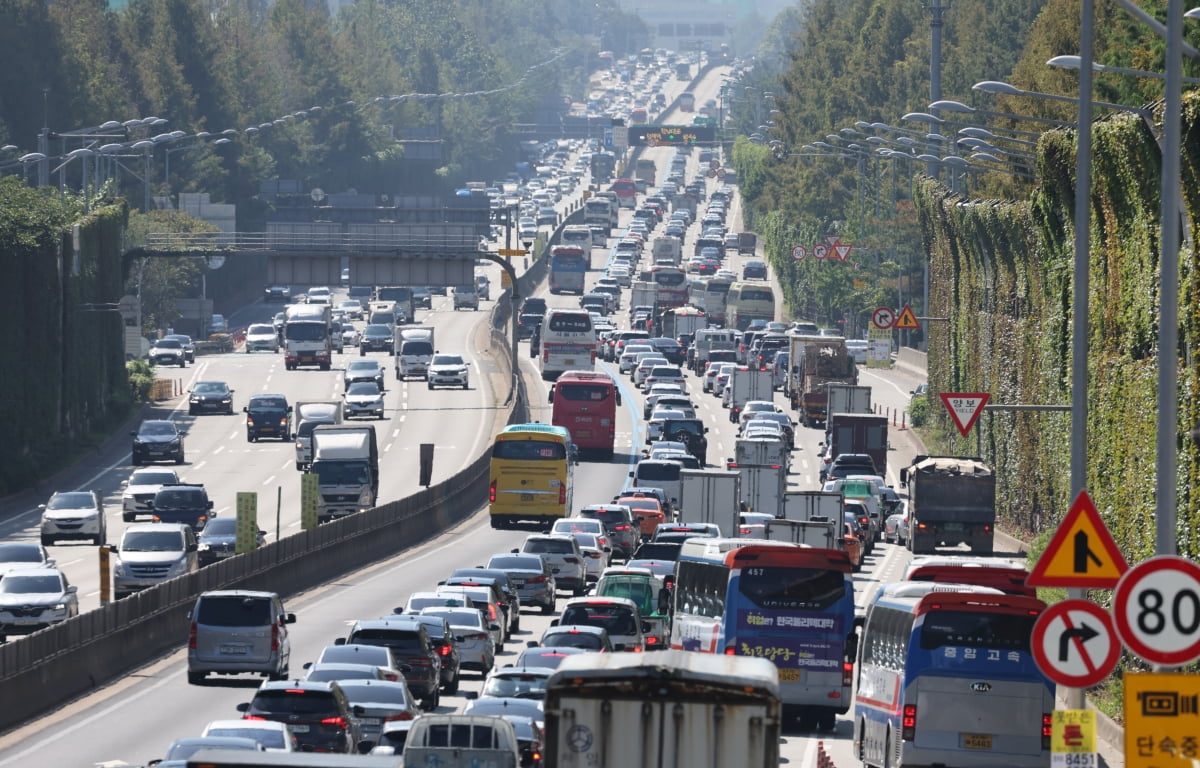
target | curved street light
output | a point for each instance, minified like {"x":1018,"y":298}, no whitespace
{"x":1073,"y":62}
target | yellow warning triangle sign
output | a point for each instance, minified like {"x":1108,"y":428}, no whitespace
{"x":1081,"y":553}
{"x":907,"y":320}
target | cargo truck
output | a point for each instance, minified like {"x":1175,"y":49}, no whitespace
{"x":710,"y":496}
{"x":642,"y":294}
{"x":813,"y":505}
{"x":414,"y":351}
{"x":822,"y":534}
{"x":307,"y":337}
{"x":462,"y":741}
{"x":748,"y":384}
{"x":681,"y":321}
{"x":310,"y":413}
{"x":674,"y":708}
{"x":859,"y":433}
{"x":849,"y":398}
{"x":951,"y":500}
{"x":817,"y":363}
{"x":346,"y":463}
{"x":762,"y":465}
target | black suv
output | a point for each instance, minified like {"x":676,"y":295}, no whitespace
{"x":846,"y":464}
{"x":534,"y":305}
{"x":619,"y":524}
{"x":157,"y":440}
{"x":329,"y":723}
{"x":268,"y":416}
{"x":414,"y":651}
{"x":442,"y":637}
{"x":690,"y":432}
{"x":188,"y":504}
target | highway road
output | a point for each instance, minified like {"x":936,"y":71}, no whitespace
{"x":133,"y":720}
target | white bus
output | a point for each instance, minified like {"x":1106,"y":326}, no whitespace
{"x":567,"y":342}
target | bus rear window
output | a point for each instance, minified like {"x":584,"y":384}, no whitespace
{"x":808,"y":588}
{"x":529,"y":450}
{"x":976,"y":629}
{"x":588,"y":393}
{"x":573,"y":323}
{"x":756,"y":294}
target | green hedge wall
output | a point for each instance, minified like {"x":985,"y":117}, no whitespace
{"x":1002,"y":272}
{"x":64,"y":380}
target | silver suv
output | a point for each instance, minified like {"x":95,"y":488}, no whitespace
{"x":235,"y":631}
{"x":564,"y":557}
{"x":151,"y":553}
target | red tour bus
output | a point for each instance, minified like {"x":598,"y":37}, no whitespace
{"x":585,"y":402}
{"x":626,"y":191}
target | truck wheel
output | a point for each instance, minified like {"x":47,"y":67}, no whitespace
{"x":196,"y":678}
{"x":362,"y":351}
{"x":324,"y":366}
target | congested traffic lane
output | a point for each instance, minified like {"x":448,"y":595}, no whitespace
{"x":219,"y":456}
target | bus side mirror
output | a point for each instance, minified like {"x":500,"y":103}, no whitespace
{"x":903,"y":478}
{"x":664,"y":601}
{"x":551,"y":398}
{"x":618,"y":398}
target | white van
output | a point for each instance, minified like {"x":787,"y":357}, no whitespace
{"x":654,"y":473}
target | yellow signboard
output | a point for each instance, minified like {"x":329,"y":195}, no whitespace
{"x":309,"y":517}
{"x":246,"y":530}
{"x":1073,"y":739}
{"x":511,"y":252}
{"x":1162,"y":719}
{"x":505,"y":280}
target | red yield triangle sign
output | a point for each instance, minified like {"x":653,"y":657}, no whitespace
{"x":842,"y":250}
{"x":965,"y":408}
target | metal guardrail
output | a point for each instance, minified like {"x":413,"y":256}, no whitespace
{"x":419,"y":244}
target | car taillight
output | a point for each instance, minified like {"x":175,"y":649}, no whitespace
{"x":491,"y":612}
{"x":545,"y":356}
{"x":401,"y":716}
{"x":249,"y":421}
{"x":340,"y":722}
{"x":847,"y":673}
{"x":477,"y":636}
{"x":444,"y":650}
{"x":492,"y":492}
{"x":621,"y":527}
{"x":908,"y":722}
{"x":730,"y":650}
{"x":192,"y":637}
{"x":253,"y":717}
{"x":1047,"y":728}
{"x":651,"y":641}
{"x":536,"y":579}
{"x":275,"y":637}
{"x":572,"y":560}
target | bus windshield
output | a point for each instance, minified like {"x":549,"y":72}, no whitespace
{"x":976,"y":629}
{"x":807,"y":588}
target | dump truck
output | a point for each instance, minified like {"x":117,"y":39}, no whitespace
{"x":951,"y":500}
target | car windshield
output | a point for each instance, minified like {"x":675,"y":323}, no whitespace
{"x":220,"y":526}
{"x":457,"y":617}
{"x":168,"y":344}
{"x":210,"y":388}
{"x":234,"y":611}
{"x":363,"y":365}
{"x":72,"y":500}
{"x":181,"y":499}
{"x":376,"y":331}
{"x":617,"y":619}
{"x":260,"y":330}
{"x":341,"y":472}
{"x":549,"y":546}
{"x":20,"y":552}
{"x":151,"y":541}
{"x":268,"y":737}
{"x":157,"y":428}
{"x":361,"y":693}
{"x":516,"y":684}
{"x":515,"y":563}
{"x":447,"y":360}
{"x":295,"y":702}
{"x":152,"y":477}
{"x":16,"y":583}
{"x":363,"y":388}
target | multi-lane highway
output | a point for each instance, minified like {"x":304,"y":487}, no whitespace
{"x":132,"y":721}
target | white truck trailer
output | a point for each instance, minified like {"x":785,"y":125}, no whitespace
{"x":710,"y":496}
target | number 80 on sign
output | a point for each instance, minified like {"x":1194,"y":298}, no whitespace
{"x":1156,"y":609}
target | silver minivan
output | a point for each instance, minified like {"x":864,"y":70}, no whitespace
{"x":235,"y":631}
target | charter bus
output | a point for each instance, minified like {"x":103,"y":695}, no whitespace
{"x":671,"y":286}
{"x":946,"y":677}
{"x":585,"y":403}
{"x":716,"y":293}
{"x":568,"y":265}
{"x":626,"y":192}
{"x":790,"y":604}
{"x":603,"y":165}
{"x":531,"y":475}
{"x":747,"y":302}
{"x":1005,"y":574}
{"x":687,"y":102}
{"x":568,"y":342}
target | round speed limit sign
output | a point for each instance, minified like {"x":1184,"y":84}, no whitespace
{"x":1156,"y":608}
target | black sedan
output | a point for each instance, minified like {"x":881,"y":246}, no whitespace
{"x":211,"y":397}
{"x":280,"y":293}
{"x":218,"y":540}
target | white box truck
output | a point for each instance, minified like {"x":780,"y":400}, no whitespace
{"x":710,"y":496}
{"x":673,"y":708}
{"x":849,"y":398}
{"x":346,"y":463}
{"x":763,"y":489}
{"x":748,"y":384}
{"x":414,"y":351}
{"x":813,"y":533}
{"x":813,"y":505}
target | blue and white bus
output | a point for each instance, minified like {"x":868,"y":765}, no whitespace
{"x":568,"y":266}
{"x":790,"y":604}
{"x":946,"y":677}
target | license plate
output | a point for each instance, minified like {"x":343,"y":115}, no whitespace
{"x":583,"y":433}
{"x":569,"y":361}
{"x":977,"y":740}
{"x":235,"y":650}
{"x":371,"y":721}
{"x":526,"y":497}
{"x":789,"y":675}
{"x":953,"y":527}
{"x":553,"y":570}
{"x":298,"y":728}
